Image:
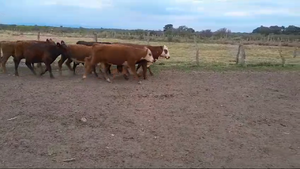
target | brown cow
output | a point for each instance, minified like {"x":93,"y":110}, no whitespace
{"x":157,"y":51}
{"x":116,"y":55}
{"x":7,"y":49}
{"x":89,"y":43}
{"x":21,"y":47}
{"x":43,"y":52}
{"x":75,"y":53}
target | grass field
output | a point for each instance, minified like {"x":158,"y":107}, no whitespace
{"x":212,"y":56}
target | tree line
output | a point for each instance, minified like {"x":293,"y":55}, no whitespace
{"x":277,"y":30}
{"x":169,"y":31}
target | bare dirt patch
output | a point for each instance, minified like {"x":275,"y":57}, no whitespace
{"x":174,"y":119}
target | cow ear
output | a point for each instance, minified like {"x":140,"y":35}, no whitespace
{"x":47,"y":40}
{"x":62,"y":42}
{"x":162,"y":47}
{"x":58,"y":44}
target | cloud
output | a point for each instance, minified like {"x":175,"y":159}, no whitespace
{"x":237,"y":15}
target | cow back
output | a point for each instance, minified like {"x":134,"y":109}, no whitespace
{"x":91,"y":43}
{"x":156,"y":50}
{"x":116,"y":54}
{"x":7,"y":48}
{"x":78,"y":52}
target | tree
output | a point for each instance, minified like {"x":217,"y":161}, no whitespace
{"x":168,"y":27}
{"x":206,"y":33}
{"x":223,"y":32}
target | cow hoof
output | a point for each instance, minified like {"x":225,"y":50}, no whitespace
{"x":84,"y":77}
{"x":108,"y":80}
{"x":140,"y":82}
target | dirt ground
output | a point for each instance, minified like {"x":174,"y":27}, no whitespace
{"x":173,"y":119}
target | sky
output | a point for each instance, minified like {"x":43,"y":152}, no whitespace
{"x":236,"y":15}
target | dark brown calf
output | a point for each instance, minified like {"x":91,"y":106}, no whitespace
{"x":21,"y":47}
{"x":116,"y":55}
{"x":43,"y":52}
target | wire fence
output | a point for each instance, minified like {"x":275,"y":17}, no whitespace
{"x":191,"y":53}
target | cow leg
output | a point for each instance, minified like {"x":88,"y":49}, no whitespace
{"x":139,"y":65}
{"x":17,"y":62}
{"x":125,"y":72}
{"x":40,"y":66}
{"x":137,"y":68}
{"x":94,"y":70}
{"x":3,"y":62}
{"x":74,"y":67}
{"x":48,"y":67}
{"x":150,"y":71}
{"x":144,"y":66}
{"x":107,"y":70}
{"x":104,"y":73}
{"x":132,"y":67}
{"x":87,"y":70}
{"x":29,"y":65}
{"x":114,"y":72}
{"x":68,"y":63}
{"x":43,"y":72}
{"x":60,"y":63}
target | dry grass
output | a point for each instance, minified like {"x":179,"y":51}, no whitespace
{"x":184,"y":53}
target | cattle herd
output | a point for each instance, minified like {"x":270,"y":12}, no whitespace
{"x":90,"y":54}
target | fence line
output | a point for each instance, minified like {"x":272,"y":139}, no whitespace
{"x":240,"y":58}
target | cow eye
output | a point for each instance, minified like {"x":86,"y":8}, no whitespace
{"x":166,"y":51}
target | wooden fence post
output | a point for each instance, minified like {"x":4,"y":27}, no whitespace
{"x":95,"y":37}
{"x":38,"y":36}
{"x":148,"y":37}
{"x":295,"y":52}
{"x":197,"y":50}
{"x":238,"y":54}
{"x":280,"y":54}
{"x":243,"y":58}
{"x":241,"y":51}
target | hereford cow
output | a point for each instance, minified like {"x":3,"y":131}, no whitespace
{"x":75,"y":53}
{"x":21,"y":47}
{"x":116,"y":55}
{"x":157,"y":51}
{"x":43,"y":52}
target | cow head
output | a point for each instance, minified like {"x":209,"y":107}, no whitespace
{"x":165,"y":52}
{"x":149,"y":56}
{"x":62,"y":47}
{"x":87,"y":66}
